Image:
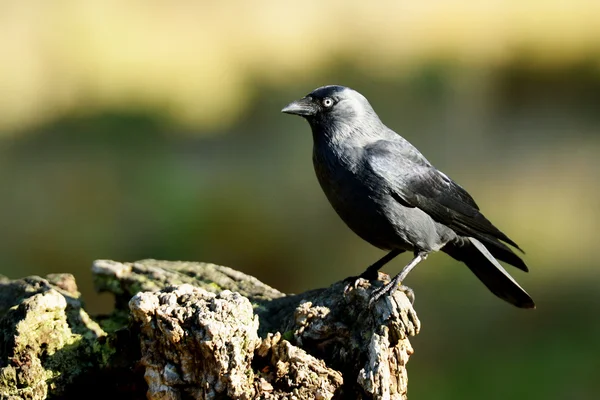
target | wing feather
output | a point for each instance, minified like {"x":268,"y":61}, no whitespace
{"x":414,"y":182}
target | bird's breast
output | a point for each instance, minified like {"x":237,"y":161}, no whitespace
{"x":359,"y":202}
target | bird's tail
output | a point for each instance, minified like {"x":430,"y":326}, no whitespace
{"x":489,"y":271}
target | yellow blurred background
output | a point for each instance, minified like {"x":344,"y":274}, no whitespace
{"x":137,"y":129}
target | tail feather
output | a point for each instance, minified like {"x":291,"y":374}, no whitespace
{"x":503,"y":253}
{"x":489,"y":271}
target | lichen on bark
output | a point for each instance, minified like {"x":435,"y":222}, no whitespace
{"x":47,"y":338}
{"x":195,"y":330}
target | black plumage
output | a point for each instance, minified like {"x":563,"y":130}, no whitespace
{"x":391,"y":196}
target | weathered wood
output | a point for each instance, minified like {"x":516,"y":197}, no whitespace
{"x":196,"y":330}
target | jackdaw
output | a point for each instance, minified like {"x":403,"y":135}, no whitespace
{"x":391,"y":196}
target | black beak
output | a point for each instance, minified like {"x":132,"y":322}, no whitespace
{"x":303,"y":107}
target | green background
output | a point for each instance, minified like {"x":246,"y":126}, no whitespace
{"x":133,"y":130}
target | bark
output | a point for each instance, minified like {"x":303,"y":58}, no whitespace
{"x":194,"y":330}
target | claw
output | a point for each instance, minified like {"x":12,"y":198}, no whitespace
{"x":352,"y":284}
{"x":371,"y":273}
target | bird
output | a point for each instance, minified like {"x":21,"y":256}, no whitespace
{"x":392,"y":197}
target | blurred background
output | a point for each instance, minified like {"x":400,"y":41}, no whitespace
{"x":152,"y":129}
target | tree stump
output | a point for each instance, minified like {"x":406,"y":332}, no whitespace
{"x":185,"y":330}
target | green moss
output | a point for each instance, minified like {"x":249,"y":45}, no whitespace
{"x":106,"y":283}
{"x":8,"y":377}
{"x":143,"y":284}
{"x":289,"y":336}
{"x":115,"y":321}
{"x":249,"y":374}
{"x":53,"y":342}
{"x":258,"y":307}
{"x":66,"y":358}
{"x":106,"y":353}
{"x":49,"y":329}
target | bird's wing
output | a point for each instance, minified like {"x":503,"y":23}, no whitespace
{"x":415,"y":183}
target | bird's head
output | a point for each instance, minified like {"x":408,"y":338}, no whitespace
{"x":333,"y":106}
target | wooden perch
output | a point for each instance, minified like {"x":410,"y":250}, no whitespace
{"x":193,"y":330}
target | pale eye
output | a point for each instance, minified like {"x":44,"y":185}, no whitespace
{"x":327,"y":102}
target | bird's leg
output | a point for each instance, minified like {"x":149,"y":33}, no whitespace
{"x":371,"y":272}
{"x":389,"y":287}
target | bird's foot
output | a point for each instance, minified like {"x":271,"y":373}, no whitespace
{"x":353,"y":282}
{"x":388,"y":289}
